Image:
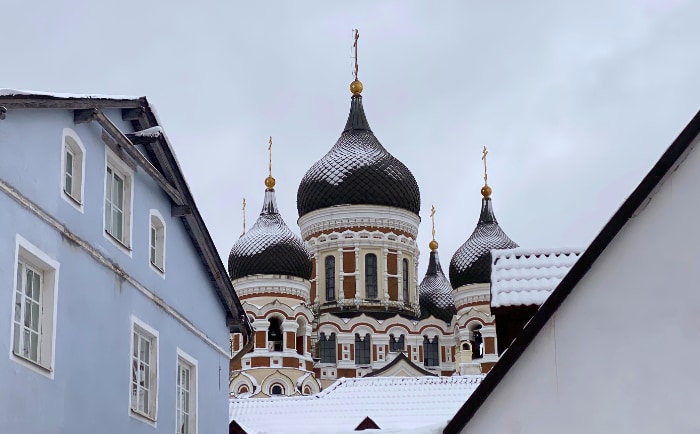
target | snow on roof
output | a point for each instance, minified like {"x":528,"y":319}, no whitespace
{"x":521,"y":277}
{"x":17,"y":92}
{"x":150,"y":132}
{"x":396,"y":404}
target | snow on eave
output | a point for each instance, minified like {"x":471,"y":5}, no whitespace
{"x":156,"y":131}
{"x":18,"y":92}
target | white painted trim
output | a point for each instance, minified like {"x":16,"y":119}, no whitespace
{"x":189,"y":360}
{"x":77,"y":203}
{"x":36,"y":257}
{"x":155,"y":335}
{"x":107,"y":263}
{"x":151,"y":214}
{"x":267,"y":283}
{"x":358,"y":215}
{"x":113,"y":161}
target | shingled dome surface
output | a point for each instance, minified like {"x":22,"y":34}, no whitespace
{"x":435,"y":292}
{"x":358,"y":171}
{"x":269,"y":247}
{"x":471,"y":263}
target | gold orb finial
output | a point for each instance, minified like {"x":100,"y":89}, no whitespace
{"x":356,"y":87}
{"x":270,"y":182}
{"x":433,"y":246}
{"x":486,"y":191}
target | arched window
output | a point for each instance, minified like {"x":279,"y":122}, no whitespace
{"x":330,"y":278}
{"x":396,"y":345}
{"x":301,"y":336}
{"x":363,"y":347}
{"x":73,"y":168}
{"x":274,"y":335}
{"x":327,"y":348}
{"x":371,"y":275}
{"x":157,"y":241}
{"x":430,"y":352}
{"x":405,"y":280}
{"x":477,"y":342}
{"x":277,"y":389}
{"x":243,"y":389}
{"x":307,"y":390}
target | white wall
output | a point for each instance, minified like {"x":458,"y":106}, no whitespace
{"x":622,"y":352}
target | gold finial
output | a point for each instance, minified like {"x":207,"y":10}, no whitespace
{"x":433,"y":244}
{"x":270,"y":181}
{"x":243,"y":217}
{"x":485,"y":190}
{"x":356,"y":85}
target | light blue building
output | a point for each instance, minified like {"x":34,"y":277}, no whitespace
{"x":117,"y":306}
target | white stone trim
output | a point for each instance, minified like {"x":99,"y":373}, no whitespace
{"x":147,"y":329}
{"x":75,"y":200}
{"x":344,"y":216}
{"x":269,"y":283}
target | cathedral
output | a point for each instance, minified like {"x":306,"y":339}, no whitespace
{"x":344,"y":299}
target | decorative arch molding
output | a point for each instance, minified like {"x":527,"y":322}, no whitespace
{"x":278,"y":377}
{"x":308,"y":381}
{"x":241,"y":379}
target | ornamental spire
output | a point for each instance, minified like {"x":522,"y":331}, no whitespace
{"x":485,"y":190}
{"x":243,"y":209}
{"x":356,"y":85}
{"x":270,"y":181}
{"x":433,"y":244}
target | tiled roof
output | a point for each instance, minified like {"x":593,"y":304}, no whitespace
{"x":395,"y":403}
{"x":358,"y":170}
{"x":521,"y":277}
{"x":471,"y":263}
{"x":435,"y":292}
{"x":269,"y":247}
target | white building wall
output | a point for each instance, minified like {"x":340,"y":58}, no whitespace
{"x":621,"y":353}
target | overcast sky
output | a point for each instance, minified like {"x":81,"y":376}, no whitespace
{"x":575,"y":100}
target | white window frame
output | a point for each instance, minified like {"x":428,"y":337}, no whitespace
{"x":184,"y":359}
{"x":36,"y":260}
{"x":72,"y":143}
{"x":156,"y":250}
{"x":148,"y":333}
{"x":118,"y":167}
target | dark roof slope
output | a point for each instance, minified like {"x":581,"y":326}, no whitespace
{"x":638,"y":198}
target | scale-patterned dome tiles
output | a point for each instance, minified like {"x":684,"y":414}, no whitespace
{"x":435,"y":292}
{"x":358,"y":171}
{"x":269,"y":247}
{"x":471,"y":263}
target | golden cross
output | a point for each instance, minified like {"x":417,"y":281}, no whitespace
{"x":354,"y":45}
{"x":269,"y":148}
{"x":485,"y":153}
{"x":432,"y":217}
{"x":243,"y":217}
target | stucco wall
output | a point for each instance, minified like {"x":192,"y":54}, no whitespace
{"x":620,"y":355}
{"x":90,"y":389}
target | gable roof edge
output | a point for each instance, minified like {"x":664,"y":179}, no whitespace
{"x":627,"y":210}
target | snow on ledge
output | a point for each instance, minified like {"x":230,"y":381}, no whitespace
{"x":522,"y":277}
{"x":150,"y":132}
{"x":17,"y":92}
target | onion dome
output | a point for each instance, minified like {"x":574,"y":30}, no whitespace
{"x":471,"y":263}
{"x":435,"y":292}
{"x":269,"y":247}
{"x":358,"y":171}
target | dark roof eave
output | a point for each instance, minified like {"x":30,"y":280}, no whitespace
{"x":626,"y":211}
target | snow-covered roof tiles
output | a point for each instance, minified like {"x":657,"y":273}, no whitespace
{"x":18,"y":92}
{"x":521,"y":277}
{"x":396,"y":404}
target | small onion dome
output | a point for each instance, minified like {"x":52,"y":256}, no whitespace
{"x":435,"y":292}
{"x":269,"y":247}
{"x":358,"y":171}
{"x":471,"y":263}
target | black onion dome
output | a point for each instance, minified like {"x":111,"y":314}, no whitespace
{"x":269,"y":247}
{"x":471,"y":263}
{"x":435,"y":292}
{"x":358,"y":171}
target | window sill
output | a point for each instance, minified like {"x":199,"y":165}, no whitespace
{"x":125,"y":248}
{"x":31,"y":364}
{"x":143,"y":417}
{"x":158,"y":270}
{"x":75,"y":203}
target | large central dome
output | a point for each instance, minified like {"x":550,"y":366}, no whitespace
{"x":358,"y":171}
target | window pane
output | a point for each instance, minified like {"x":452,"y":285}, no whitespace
{"x":118,"y":192}
{"x":117,"y":223}
{"x":69,"y":163}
